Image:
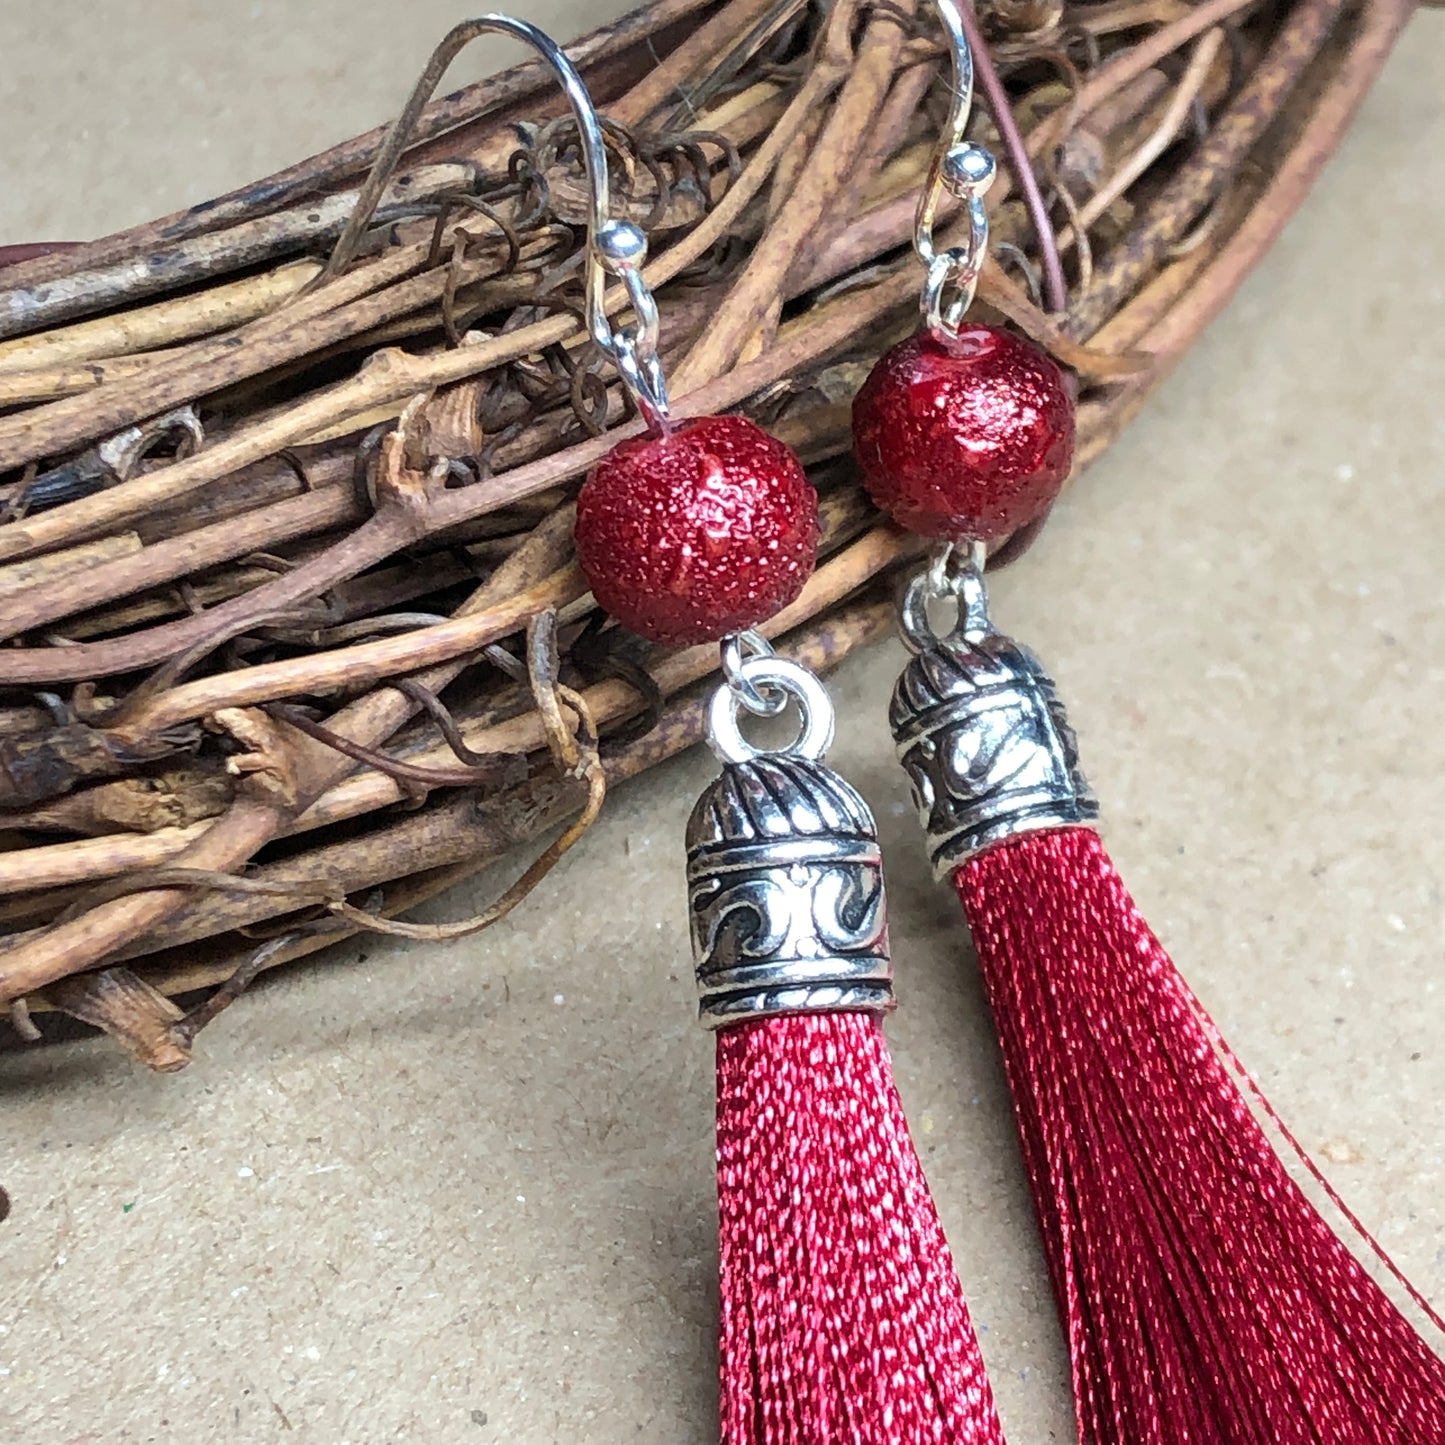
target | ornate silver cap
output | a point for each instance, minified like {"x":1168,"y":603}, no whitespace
{"x":785,"y":892}
{"x":983,"y":736}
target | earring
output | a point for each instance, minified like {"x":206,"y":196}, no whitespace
{"x":1204,"y":1297}
{"x":842,"y":1317}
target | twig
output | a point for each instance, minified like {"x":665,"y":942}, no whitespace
{"x":1206,"y":173}
{"x":1176,"y":113}
{"x":164,"y":323}
{"x":827,"y":177}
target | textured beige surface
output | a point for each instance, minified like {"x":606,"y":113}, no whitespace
{"x":463,"y":1194}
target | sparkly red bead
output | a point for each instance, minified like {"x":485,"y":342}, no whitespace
{"x":703,"y":532}
{"x":964,"y":437}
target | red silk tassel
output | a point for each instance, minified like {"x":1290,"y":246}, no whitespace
{"x":1207,"y":1302}
{"x":842,"y":1317}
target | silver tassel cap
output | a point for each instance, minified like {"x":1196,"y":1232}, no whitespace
{"x":980,"y":731}
{"x":785,"y":878}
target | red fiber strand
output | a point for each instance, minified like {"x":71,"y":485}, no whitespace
{"x":843,"y":1322}
{"x":1207,"y":1301}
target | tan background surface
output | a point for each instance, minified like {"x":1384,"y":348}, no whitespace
{"x":464,"y":1195}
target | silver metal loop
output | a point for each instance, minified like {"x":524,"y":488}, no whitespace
{"x":948,"y":292}
{"x":632,"y":347}
{"x":963,"y":169}
{"x":761,"y":702}
{"x":954,"y":578}
{"x":952,"y":279}
{"x":768,"y":673}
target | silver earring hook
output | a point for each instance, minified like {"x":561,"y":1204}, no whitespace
{"x":964,"y":170}
{"x":615,"y":249}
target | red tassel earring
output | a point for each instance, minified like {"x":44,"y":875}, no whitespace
{"x":842,"y":1317}
{"x":1206,"y":1300}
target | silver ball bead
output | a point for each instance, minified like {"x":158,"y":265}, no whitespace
{"x":969,"y":170}
{"x":621,"y":246}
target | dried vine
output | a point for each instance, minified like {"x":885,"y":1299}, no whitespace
{"x":286,"y":480}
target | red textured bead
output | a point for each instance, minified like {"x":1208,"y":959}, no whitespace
{"x":706,"y":531}
{"x":966,"y":437}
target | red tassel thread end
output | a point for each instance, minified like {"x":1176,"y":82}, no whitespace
{"x":1207,"y":1301}
{"x":842,"y":1316}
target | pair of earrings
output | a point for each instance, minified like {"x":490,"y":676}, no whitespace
{"x":1205,"y":1299}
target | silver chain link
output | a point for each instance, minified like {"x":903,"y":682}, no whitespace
{"x":954,"y":577}
{"x":762,"y":701}
{"x":768,"y":673}
{"x":618,"y":249}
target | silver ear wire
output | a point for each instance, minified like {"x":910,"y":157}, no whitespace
{"x":614,"y":248}
{"x":964,"y":170}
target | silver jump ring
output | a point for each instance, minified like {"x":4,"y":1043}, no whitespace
{"x":762,"y":702}
{"x":618,"y":249}
{"x":943,"y":314}
{"x":949,"y":577}
{"x":816,"y":735}
{"x":643,"y":379}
